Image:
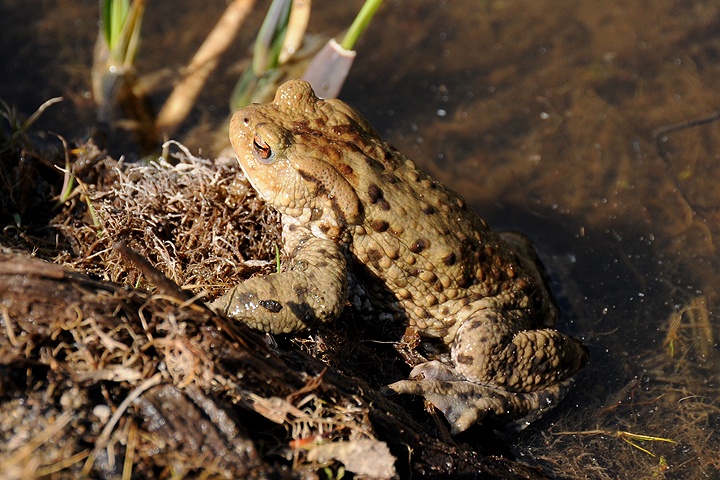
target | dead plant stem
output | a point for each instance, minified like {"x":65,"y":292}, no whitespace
{"x":185,"y":93}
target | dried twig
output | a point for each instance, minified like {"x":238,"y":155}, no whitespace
{"x":183,"y":97}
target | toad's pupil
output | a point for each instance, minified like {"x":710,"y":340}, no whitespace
{"x":262,"y":148}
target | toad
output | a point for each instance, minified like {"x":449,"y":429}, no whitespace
{"x":351,"y":203}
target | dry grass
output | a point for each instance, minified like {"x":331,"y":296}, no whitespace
{"x":198,"y":221}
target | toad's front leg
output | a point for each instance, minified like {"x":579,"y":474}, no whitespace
{"x":312,"y":290}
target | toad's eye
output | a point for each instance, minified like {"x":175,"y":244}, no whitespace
{"x":262,"y":151}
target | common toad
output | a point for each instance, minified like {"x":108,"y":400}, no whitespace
{"x":350,"y":201}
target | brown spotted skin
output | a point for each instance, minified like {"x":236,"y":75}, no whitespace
{"x":350,"y":200}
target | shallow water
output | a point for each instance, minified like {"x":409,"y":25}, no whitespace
{"x":543,"y":115}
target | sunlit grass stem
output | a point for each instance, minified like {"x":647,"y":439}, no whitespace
{"x":121,"y":24}
{"x":270,"y":37}
{"x":360,"y":24}
{"x":113,"y":19}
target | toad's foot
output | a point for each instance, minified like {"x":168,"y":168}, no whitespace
{"x":464,"y":403}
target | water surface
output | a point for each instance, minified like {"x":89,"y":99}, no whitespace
{"x":549,"y":118}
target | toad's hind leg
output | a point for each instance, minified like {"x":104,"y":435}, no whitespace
{"x":491,"y":349}
{"x":498,"y":368}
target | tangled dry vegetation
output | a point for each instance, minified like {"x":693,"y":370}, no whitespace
{"x":108,"y":369}
{"x":198,"y":221}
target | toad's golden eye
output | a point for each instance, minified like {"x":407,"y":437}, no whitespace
{"x":262,"y":151}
